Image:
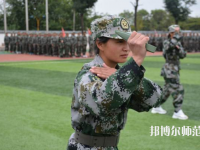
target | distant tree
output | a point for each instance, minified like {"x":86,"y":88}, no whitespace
{"x":180,"y":9}
{"x":190,"y":24}
{"x":1,"y":22}
{"x":1,"y":15}
{"x":60,"y":14}
{"x":142,"y":19}
{"x":160,"y":19}
{"x":1,"y":7}
{"x":16,"y":14}
{"x":90,"y":17}
{"x":37,"y":11}
{"x":81,"y":6}
{"x":135,"y":12}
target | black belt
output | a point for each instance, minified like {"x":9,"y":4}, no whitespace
{"x":172,"y":62}
{"x":97,"y":141}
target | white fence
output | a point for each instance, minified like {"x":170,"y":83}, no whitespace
{"x":2,"y":39}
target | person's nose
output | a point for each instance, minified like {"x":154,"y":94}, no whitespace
{"x":126,"y":47}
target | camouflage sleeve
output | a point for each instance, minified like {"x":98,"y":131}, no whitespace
{"x":146,"y":96}
{"x":101,"y":97}
{"x":169,"y":44}
{"x":182,"y":52}
{"x":165,"y":47}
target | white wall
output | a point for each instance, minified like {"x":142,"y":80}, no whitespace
{"x":1,"y":38}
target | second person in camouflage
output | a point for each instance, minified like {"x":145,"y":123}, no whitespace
{"x":172,"y":52}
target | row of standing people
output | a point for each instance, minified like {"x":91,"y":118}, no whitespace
{"x":70,"y":46}
{"x":190,"y":41}
{"x":50,"y":44}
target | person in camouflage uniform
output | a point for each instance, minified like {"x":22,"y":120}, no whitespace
{"x":34,"y":41}
{"x":184,"y":41}
{"x":84,"y":44}
{"x":20,"y":40}
{"x":15,"y":42}
{"x":43,"y":44}
{"x":12,"y":42}
{"x":198,"y":37}
{"x":73,"y":43}
{"x":79,"y":44}
{"x":196,"y":42}
{"x":26,"y":43}
{"x":172,"y":52}
{"x":50,"y":36}
{"x":160,"y":42}
{"x":39,"y":43}
{"x":6,"y":42}
{"x":30,"y":43}
{"x":61,"y":46}
{"x":54,"y":44}
{"x":23,"y":43}
{"x":91,"y":46}
{"x":191,"y":43}
{"x":67,"y":42}
{"x":100,"y":105}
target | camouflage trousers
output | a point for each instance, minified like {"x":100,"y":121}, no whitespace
{"x":73,"y":145}
{"x":174,"y":88}
{"x":67,"y":50}
{"x":6,"y":46}
{"x":91,"y":50}
{"x":12,"y":47}
{"x":61,"y":50}
{"x":84,"y":49}
{"x":21,"y":48}
{"x":78,"y":52}
{"x":72,"y":50}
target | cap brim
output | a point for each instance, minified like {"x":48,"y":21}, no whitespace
{"x":113,"y":36}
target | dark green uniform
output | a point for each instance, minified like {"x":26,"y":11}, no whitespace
{"x":170,"y":72}
{"x":6,"y":42}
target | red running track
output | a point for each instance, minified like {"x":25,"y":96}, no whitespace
{"x":28,"y":57}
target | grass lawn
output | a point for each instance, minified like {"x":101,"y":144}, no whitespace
{"x":35,"y":99}
{"x":4,"y":52}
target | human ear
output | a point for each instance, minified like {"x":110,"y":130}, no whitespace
{"x":99,"y":45}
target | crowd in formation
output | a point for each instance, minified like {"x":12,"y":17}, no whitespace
{"x":74,"y":45}
{"x":53,"y":44}
{"x":189,"y":40}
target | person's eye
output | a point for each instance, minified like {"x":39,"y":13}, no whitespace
{"x":120,"y":41}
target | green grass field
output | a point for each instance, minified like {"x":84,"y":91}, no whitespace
{"x":4,"y":52}
{"x":35,"y":99}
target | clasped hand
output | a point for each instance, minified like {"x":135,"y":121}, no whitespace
{"x":103,"y":72}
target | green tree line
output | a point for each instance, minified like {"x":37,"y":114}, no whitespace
{"x":159,"y":20}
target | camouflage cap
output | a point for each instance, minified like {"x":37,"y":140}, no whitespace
{"x":174,"y":28}
{"x":106,"y":26}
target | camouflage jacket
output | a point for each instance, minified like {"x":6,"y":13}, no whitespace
{"x":43,"y":40}
{"x":73,"y":40}
{"x":79,"y":40}
{"x":171,"y":52}
{"x":54,"y":40}
{"x":6,"y":39}
{"x":91,"y":41}
{"x":99,"y":107}
{"x":15,"y":39}
{"x":84,"y":41}
{"x":172,"y":55}
{"x":67,"y":41}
